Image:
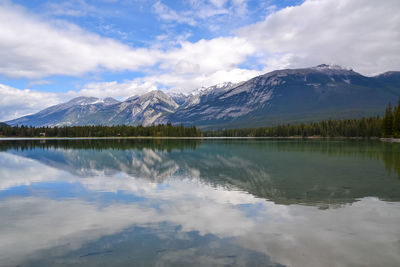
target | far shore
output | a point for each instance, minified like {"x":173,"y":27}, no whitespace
{"x":389,"y":140}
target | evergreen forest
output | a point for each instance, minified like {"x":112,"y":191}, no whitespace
{"x":374,"y":127}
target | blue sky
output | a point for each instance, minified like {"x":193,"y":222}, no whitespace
{"x":53,"y":51}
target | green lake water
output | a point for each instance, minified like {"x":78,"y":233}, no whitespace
{"x":132,"y":202}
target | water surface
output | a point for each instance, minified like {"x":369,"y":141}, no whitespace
{"x":199,"y":203}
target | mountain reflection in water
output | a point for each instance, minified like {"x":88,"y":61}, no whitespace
{"x":284,"y":171}
{"x":211,"y":202}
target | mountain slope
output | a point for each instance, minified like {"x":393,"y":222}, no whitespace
{"x":145,"y":109}
{"x":73,"y":112}
{"x":292,"y":96}
{"x":139,"y":110}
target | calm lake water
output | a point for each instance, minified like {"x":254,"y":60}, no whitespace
{"x":199,"y":203}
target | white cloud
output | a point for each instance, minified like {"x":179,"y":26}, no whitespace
{"x":239,"y":7}
{"x":30,"y":47}
{"x":188,"y":82}
{"x":184,"y":83}
{"x":363,"y":34}
{"x":168,"y":14}
{"x":15,"y":102}
{"x":207,"y":56}
{"x":188,"y":67}
{"x":200,"y":11}
{"x":115,"y":89}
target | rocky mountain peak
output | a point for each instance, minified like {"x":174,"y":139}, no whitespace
{"x":178,"y":97}
{"x":158,"y":96}
{"x":110,"y":101}
{"x":332,"y":69}
{"x":82,"y":100}
{"x":204,"y":90}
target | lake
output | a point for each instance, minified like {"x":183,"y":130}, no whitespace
{"x":133,"y":202}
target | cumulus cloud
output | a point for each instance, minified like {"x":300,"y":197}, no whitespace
{"x":30,"y":47}
{"x":184,"y":69}
{"x":183,"y":83}
{"x":363,"y":34}
{"x":207,"y":56}
{"x":116,"y":90}
{"x":16,"y":102}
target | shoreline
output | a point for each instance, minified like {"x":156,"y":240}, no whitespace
{"x":388,"y":140}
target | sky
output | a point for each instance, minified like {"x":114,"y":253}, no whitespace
{"x":52,"y":51}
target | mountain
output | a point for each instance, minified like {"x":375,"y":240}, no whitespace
{"x":179,"y":98}
{"x":73,"y":112}
{"x":138,"y":110}
{"x":282,"y":96}
{"x":205,"y":93}
{"x":144,"y":109}
{"x":292,"y":96}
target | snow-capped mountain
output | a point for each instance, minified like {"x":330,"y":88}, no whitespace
{"x":217,"y":87}
{"x":145,"y":109}
{"x":72,"y":112}
{"x":292,"y":96}
{"x":178,"y":97}
{"x":205,"y":92}
{"x":282,"y":96}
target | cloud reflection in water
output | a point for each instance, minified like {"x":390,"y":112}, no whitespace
{"x":178,"y":211}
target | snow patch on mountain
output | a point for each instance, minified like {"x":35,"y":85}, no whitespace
{"x":203,"y":90}
{"x":178,"y":97}
{"x":329,"y":66}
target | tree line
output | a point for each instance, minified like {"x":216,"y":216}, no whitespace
{"x":101,"y":131}
{"x":388,"y":126}
{"x":365,"y":127}
{"x":391,"y":121}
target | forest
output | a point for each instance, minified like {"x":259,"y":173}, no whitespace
{"x":388,"y":126}
{"x":101,"y":131}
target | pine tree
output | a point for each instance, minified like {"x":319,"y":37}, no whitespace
{"x":388,"y":122}
{"x":396,"y":121}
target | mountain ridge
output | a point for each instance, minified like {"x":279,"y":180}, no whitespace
{"x":281,"y":96}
